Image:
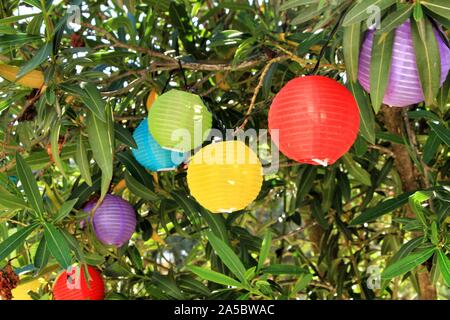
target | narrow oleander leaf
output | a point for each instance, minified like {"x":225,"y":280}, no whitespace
{"x":65,"y":209}
{"x":139,"y":189}
{"x":57,"y":245}
{"x":440,"y":7}
{"x":9,"y":201}
{"x":227,"y":255}
{"x":101,"y":140}
{"x":82,"y":161}
{"x":351,"y":43}
{"x":444,"y":266}
{"x":54,"y":146}
{"x":93,"y":100}
{"x":396,"y":18}
{"x":367,"y":117}
{"x":431,"y":147}
{"x":38,"y":58}
{"x":280,"y":269}
{"x":214,"y":276}
{"x":361,"y":11}
{"x":124,"y":136}
{"x":15,"y":240}
{"x":42,"y":254}
{"x":29,"y":184}
{"x":380,"y":209}
{"x":407,"y":263}
{"x":380,"y":65}
{"x":428,"y":58}
{"x":296,"y":3}
{"x":265,"y":249}
{"x":442,"y":132}
{"x":356,"y":170}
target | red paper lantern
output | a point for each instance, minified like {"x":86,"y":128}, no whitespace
{"x":317,"y":120}
{"x":72,"y":285}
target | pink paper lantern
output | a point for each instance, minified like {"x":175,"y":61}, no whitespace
{"x":404,"y":87}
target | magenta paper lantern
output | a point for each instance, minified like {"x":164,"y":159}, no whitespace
{"x":114,"y":220}
{"x":404,"y":87}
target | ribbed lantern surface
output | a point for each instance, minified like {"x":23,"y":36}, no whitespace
{"x":404,"y":87}
{"x":315,"y":118}
{"x":73,"y":285}
{"x":225,"y":176}
{"x":114,"y":220}
{"x":179,"y":121}
{"x":150,"y":154}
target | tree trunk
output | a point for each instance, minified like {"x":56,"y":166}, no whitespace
{"x":410,"y":182}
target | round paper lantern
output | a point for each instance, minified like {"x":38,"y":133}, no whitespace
{"x":404,"y":87}
{"x":179,"y":121}
{"x":114,"y":220}
{"x":150,"y":154}
{"x":315,"y":118}
{"x":225,"y":176}
{"x":73,"y":285}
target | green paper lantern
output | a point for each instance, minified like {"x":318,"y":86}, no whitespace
{"x":179,"y":121}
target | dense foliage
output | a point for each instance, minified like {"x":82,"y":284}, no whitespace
{"x":374,"y":225}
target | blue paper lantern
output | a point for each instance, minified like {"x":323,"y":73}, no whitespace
{"x":150,"y":154}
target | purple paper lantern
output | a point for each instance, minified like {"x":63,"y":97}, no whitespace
{"x":114,"y":220}
{"x":404,"y":87}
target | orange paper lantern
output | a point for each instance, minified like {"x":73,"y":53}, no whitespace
{"x":73,"y":285}
{"x":316,"y":120}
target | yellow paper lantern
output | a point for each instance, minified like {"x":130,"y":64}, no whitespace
{"x":22,"y":290}
{"x":33,"y":79}
{"x":225,"y":176}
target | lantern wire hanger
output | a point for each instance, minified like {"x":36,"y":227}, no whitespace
{"x":332,"y":34}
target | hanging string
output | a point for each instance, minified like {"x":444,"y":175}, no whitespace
{"x":332,"y":34}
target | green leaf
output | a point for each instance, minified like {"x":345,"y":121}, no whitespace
{"x":29,"y":184}
{"x":189,"y":207}
{"x":279,"y":269}
{"x":12,"y":202}
{"x":214,"y":276}
{"x":124,"y":136}
{"x":42,"y":254}
{"x":396,"y":18}
{"x":407,"y":263}
{"x":65,"y":209}
{"x":15,"y":240}
{"x":296,"y":3}
{"x":57,"y":245}
{"x":8,"y":40}
{"x":168,"y":286}
{"x":135,"y":169}
{"x":443,"y":95}
{"x":356,"y":170}
{"x":101,"y":140}
{"x":442,"y":132}
{"x":38,"y":58}
{"x":304,"y":183}
{"x":440,"y":7}
{"x":431,"y":146}
{"x":352,"y":42}
{"x":82,"y":161}
{"x":307,"y":14}
{"x":415,"y":202}
{"x":216,"y":223}
{"x":139,"y":189}
{"x":265,"y":249}
{"x":93,"y":100}
{"x":227,"y":255}
{"x":380,"y":65}
{"x":13,"y":19}
{"x":444,"y":266}
{"x":361,"y":11}
{"x":381,"y":209}
{"x":301,"y":284}
{"x":54,"y":142}
{"x":427,"y":58}
{"x":367,"y":118}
